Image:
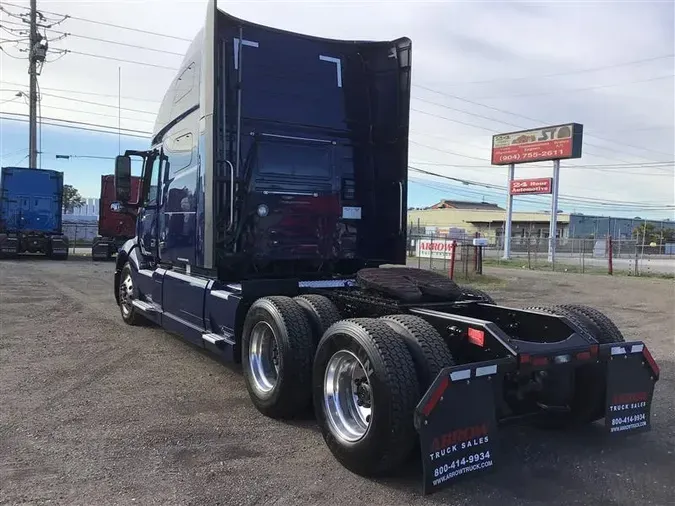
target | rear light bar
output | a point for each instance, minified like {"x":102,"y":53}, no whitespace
{"x":563,"y":358}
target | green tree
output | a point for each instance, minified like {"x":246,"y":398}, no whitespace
{"x":71,"y":198}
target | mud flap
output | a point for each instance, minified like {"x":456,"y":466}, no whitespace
{"x":631,"y":376}
{"x":457,"y":425}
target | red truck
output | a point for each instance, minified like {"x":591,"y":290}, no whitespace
{"x":114,"y":228}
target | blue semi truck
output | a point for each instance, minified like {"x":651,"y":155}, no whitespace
{"x":31,"y":212}
{"x":270,"y":222}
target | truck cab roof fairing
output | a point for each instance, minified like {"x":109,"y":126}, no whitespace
{"x":183,"y":92}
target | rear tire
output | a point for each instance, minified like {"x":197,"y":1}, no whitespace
{"x":320,"y":311}
{"x":277,"y":350}
{"x":608,"y":331}
{"x":590,"y":385}
{"x":364,"y":361}
{"x":427,"y":348}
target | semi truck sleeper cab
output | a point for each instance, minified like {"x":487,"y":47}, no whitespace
{"x":271,"y":230}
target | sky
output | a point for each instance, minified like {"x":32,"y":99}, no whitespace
{"x":479,"y":68}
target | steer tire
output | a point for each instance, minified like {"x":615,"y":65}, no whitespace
{"x":588,"y":402}
{"x":427,"y":348}
{"x":130,"y":315}
{"x":320,"y":311}
{"x":389,"y":437}
{"x":474,"y":293}
{"x":290,"y":393}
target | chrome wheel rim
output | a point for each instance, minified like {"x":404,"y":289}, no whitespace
{"x":126,"y":294}
{"x":264,"y":358}
{"x":347,"y":397}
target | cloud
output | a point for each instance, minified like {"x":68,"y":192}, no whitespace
{"x":509,"y":46}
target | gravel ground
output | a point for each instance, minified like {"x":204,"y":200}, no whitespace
{"x":93,"y":412}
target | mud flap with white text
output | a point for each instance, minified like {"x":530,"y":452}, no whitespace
{"x":457,"y":425}
{"x":630,"y":387}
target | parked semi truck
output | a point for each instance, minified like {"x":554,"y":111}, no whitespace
{"x":114,"y":227}
{"x":31,"y":212}
{"x":272,"y":231}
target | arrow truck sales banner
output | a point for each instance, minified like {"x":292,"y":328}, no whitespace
{"x":548,"y":143}
{"x":436,"y":248}
{"x":539,"y":185}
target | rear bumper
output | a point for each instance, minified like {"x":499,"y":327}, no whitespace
{"x":59,"y":244}
{"x":102,"y":247}
{"x":457,"y":418}
{"x":9,"y":245}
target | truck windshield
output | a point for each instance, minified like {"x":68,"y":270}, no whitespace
{"x":298,"y":160}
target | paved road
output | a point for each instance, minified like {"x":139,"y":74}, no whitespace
{"x":93,"y":412}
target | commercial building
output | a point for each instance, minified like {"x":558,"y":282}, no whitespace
{"x":461,"y":219}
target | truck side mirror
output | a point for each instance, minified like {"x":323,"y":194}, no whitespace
{"x":123,"y":178}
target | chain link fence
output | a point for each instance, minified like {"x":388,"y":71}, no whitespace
{"x":585,"y":256}
{"x":80,"y":233}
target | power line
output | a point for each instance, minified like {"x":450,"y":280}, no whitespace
{"x":522,"y":127}
{"x":11,"y":56}
{"x":500,"y":187}
{"x":447,"y":152}
{"x":83,"y":123}
{"x":466,"y":112}
{"x":93,"y":113}
{"x":492,"y":130}
{"x":12,"y":153}
{"x":14,"y":15}
{"x":610,"y":169}
{"x":574,"y":90}
{"x":417,"y":110}
{"x":608,"y":165}
{"x":562,"y":197}
{"x":578,"y":71}
{"x":102,"y":23}
{"x":107,"y":41}
{"x":452,"y":120}
{"x":15,"y":41}
{"x":504,"y":111}
{"x":530,"y":201}
{"x":87,"y":93}
{"x":113,"y":132}
{"x":112,"y":58}
{"x":61,"y":97}
{"x":9,"y":100}
{"x":145,"y":48}
{"x":122,"y":60}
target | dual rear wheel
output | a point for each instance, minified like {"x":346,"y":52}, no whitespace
{"x":363,"y":376}
{"x":588,"y":383}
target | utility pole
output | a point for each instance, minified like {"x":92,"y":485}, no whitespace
{"x":32,"y":72}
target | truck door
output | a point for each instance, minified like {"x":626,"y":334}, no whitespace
{"x":147,"y":229}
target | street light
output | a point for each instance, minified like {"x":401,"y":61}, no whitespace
{"x":68,"y":157}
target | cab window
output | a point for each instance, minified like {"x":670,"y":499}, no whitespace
{"x":152,"y":177}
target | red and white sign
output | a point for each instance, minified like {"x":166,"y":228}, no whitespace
{"x":539,"y":185}
{"x":550,"y":143}
{"x":438,"y":248}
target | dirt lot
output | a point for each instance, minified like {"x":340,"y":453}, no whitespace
{"x":93,"y":412}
